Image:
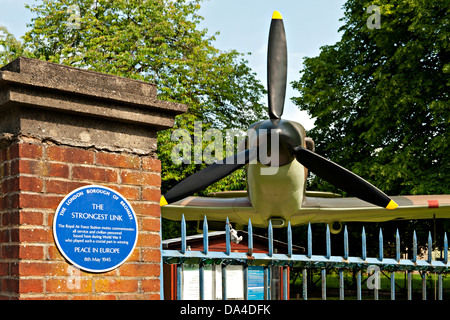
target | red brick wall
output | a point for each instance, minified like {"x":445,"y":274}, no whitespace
{"x":34,"y":177}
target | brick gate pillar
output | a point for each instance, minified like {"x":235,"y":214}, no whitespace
{"x":62,"y":128}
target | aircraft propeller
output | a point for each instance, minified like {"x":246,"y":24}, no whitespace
{"x":326,"y":169}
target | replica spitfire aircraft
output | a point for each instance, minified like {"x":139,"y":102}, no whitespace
{"x":281,"y":197}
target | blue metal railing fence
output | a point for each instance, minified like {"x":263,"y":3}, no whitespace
{"x":309,"y":261}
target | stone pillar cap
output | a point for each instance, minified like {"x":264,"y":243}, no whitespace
{"x":53,"y":86}
{"x":83,"y":108}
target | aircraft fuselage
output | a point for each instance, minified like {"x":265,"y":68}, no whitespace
{"x":276,"y":183}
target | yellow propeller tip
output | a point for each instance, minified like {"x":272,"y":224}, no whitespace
{"x":391,"y":205}
{"x":277,"y":15}
{"x":163,"y":201}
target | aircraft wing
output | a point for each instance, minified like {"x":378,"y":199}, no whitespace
{"x":238,"y":210}
{"x":329,"y":210}
{"x":315,"y":209}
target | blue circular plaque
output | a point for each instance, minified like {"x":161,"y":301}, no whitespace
{"x":95,"y":228}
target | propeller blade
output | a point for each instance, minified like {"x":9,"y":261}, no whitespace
{"x":276,"y":66}
{"x":343,"y":178}
{"x":208,"y":176}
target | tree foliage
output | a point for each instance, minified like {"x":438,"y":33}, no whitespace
{"x":156,"y":41}
{"x":10,"y":47}
{"x":381,"y":96}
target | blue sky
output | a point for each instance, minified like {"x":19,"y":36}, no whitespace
{"x":244,"y":26}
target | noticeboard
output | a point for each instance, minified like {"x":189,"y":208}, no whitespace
{"x":255,"y":283}
{"x":95,"y":228}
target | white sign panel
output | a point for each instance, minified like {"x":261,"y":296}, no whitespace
{"x":212,"y":282}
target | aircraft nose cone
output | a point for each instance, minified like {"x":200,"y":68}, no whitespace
{"x":276,"y":139}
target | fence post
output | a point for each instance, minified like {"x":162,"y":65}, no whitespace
{"x":309,"y":241}
{"x":270,"y":244}
{"x":424,"y":285}
{"x":285,"y":283}
{"x":430,"y":248}
{"x":328,"y":242}
{"x":445,"y":248}
{"x":305,"y":283}
{"x":201,"y":280}
{"x":380,"y":245}
{"x":205,"y":236}
{"x":250,"y":237}
{"x":345,"y":243}
{"x":246,"y":282}
{"x":179,"y":281}
{"x":393,"y":285}
{"x":201,"y":268}
{"x":270,"y":253}
{"x":324,"y":283}
{"x":324,"y":270}
{"x":409,"y":286}
{"x":397,"y":258}
{"x":224,"y":282}
{"x":227,"y":238}
{"x":289,"y":239}
{"x":358,"y":285}
{"x":183,"y":235}
{"x":266,"y":283}
{"x":227,"y":252}
{"x":414,"y":257}
{"x":376,"y":274}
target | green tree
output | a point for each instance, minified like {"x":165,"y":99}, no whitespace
{"x":10,"y":47}
{"x":380,"y":95}
{"x":156,"y":41}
